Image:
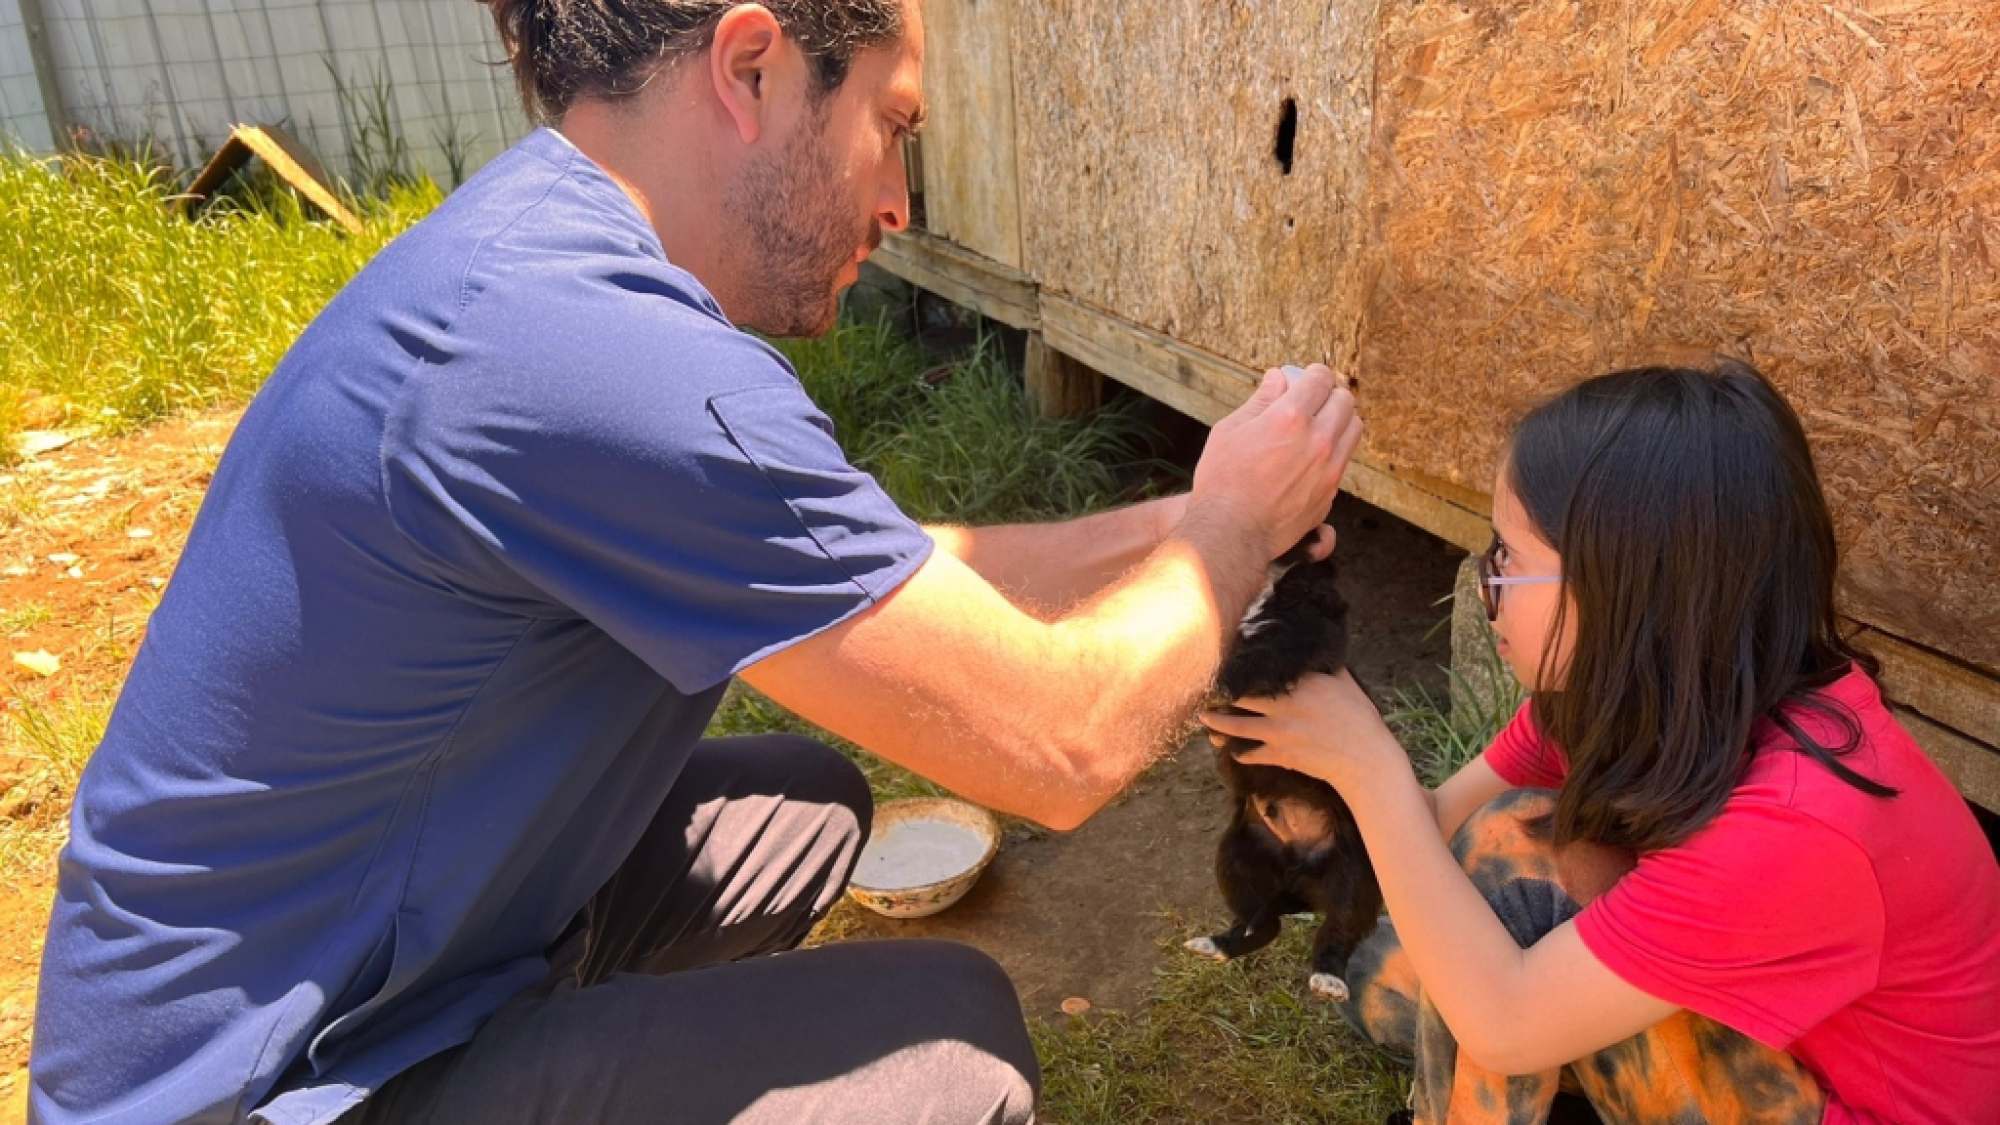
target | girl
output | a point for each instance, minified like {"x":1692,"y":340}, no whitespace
{"x":1702,"y":875}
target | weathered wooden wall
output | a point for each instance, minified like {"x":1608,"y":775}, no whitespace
{"x":970,"y":189}
{"x":1490,"y":200}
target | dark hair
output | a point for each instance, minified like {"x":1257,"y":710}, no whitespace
{"x":563,"y":50}
{"x":1699,"y":555}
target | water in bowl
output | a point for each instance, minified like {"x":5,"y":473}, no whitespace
{"x":916,"y":853}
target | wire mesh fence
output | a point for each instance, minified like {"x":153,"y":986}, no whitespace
{"x":343,"y":76}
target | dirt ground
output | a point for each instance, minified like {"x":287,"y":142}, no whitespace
{"x":89,"y":534}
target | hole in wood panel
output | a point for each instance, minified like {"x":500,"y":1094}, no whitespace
{"x":1288,"y":133}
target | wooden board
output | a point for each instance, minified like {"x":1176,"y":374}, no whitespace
{"x":1975,"y":769}
{"x":1489,"y":201}
{"x":971,"y":192}
{"x":1945,"y":691}
{"x":989,"y":287}
{"x":292,"y":161}
{"x":1151,"y":185}
{"x":1206,"y":387}
{"x":1561,"y":187}
{"x":1058,"y":385}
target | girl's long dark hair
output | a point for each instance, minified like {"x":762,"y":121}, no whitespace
{"x":1699,"y":557}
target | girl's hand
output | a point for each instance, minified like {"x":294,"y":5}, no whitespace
{"x":1327,"y":727}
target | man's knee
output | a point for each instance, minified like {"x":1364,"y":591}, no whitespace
{"x":807,"y":769}
{"x":974,"y":993}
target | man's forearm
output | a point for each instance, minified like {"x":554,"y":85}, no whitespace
{"x":1155,"y":640}
{"x":1046,"y":719}
{"x":1051,"y":568}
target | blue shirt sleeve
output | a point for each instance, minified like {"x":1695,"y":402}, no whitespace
{"x":677,"y":489}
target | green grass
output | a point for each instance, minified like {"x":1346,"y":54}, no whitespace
{"x":119,"y":310}
{"x":1218,"y":1042}
{"x":1444,"y":734}
{"x":959,"y":442}
{"x":23,"y":617}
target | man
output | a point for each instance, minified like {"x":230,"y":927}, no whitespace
{"x":405,"y":813}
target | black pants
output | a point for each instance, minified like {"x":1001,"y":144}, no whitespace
{"x":671,"y":998}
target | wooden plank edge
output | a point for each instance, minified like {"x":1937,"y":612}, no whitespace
{"x":1206,"y":387}
{"x":227,"y":158}
{"x":298,"y":168}
{"x":1973,"y":768}
{"x":957,"y":274}
{"x":1952,"y":694}
{"x":287,"y":158}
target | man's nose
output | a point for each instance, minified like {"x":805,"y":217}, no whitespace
{"x":892,"y":208}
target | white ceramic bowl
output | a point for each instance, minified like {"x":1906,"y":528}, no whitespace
{"x":932,"y":890}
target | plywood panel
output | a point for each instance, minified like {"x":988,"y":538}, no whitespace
{"x":1492,"y":200}
{"x":1151,"y":184}
{"x":971,"y":194}
{"x":1562,"y":187}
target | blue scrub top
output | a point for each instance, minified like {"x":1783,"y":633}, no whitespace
{"x":464,"y":592}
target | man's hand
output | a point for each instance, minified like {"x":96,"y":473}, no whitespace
{"x":1272,"y":467}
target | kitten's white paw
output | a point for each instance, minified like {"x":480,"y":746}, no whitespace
{"x":1204,"y":947}
{"x":1326,"y":986}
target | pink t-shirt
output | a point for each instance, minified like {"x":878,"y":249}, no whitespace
{"x":1859,"y":934}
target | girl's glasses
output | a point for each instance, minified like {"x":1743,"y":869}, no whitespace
{"x":1490,"y":580}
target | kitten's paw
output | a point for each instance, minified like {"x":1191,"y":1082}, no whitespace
{"x":1204,"y":947}
{"x":1326,"y":986}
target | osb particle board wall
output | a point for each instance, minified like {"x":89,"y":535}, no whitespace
{"x":1150,"y":184}
{"x":1490,"y":200}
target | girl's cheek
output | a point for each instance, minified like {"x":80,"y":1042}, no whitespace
{"x":1520,"y":657}
{"x":1523,"y":629}
{"x":1525,"y":665}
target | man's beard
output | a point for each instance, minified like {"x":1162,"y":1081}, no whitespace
{"x":801,"y":235}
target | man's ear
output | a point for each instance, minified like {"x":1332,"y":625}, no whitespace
{"x":740,"y":56}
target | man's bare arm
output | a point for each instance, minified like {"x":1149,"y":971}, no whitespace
{"x":1044,"y":719}
{"x":1049,"y":568}
{"x":1049,"y":719}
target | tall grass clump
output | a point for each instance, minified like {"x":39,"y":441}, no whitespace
{"x":1444,"y":734}
{"x":960,"y":442}
{"x":122,"y":310}
{"x":378,"y":158}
